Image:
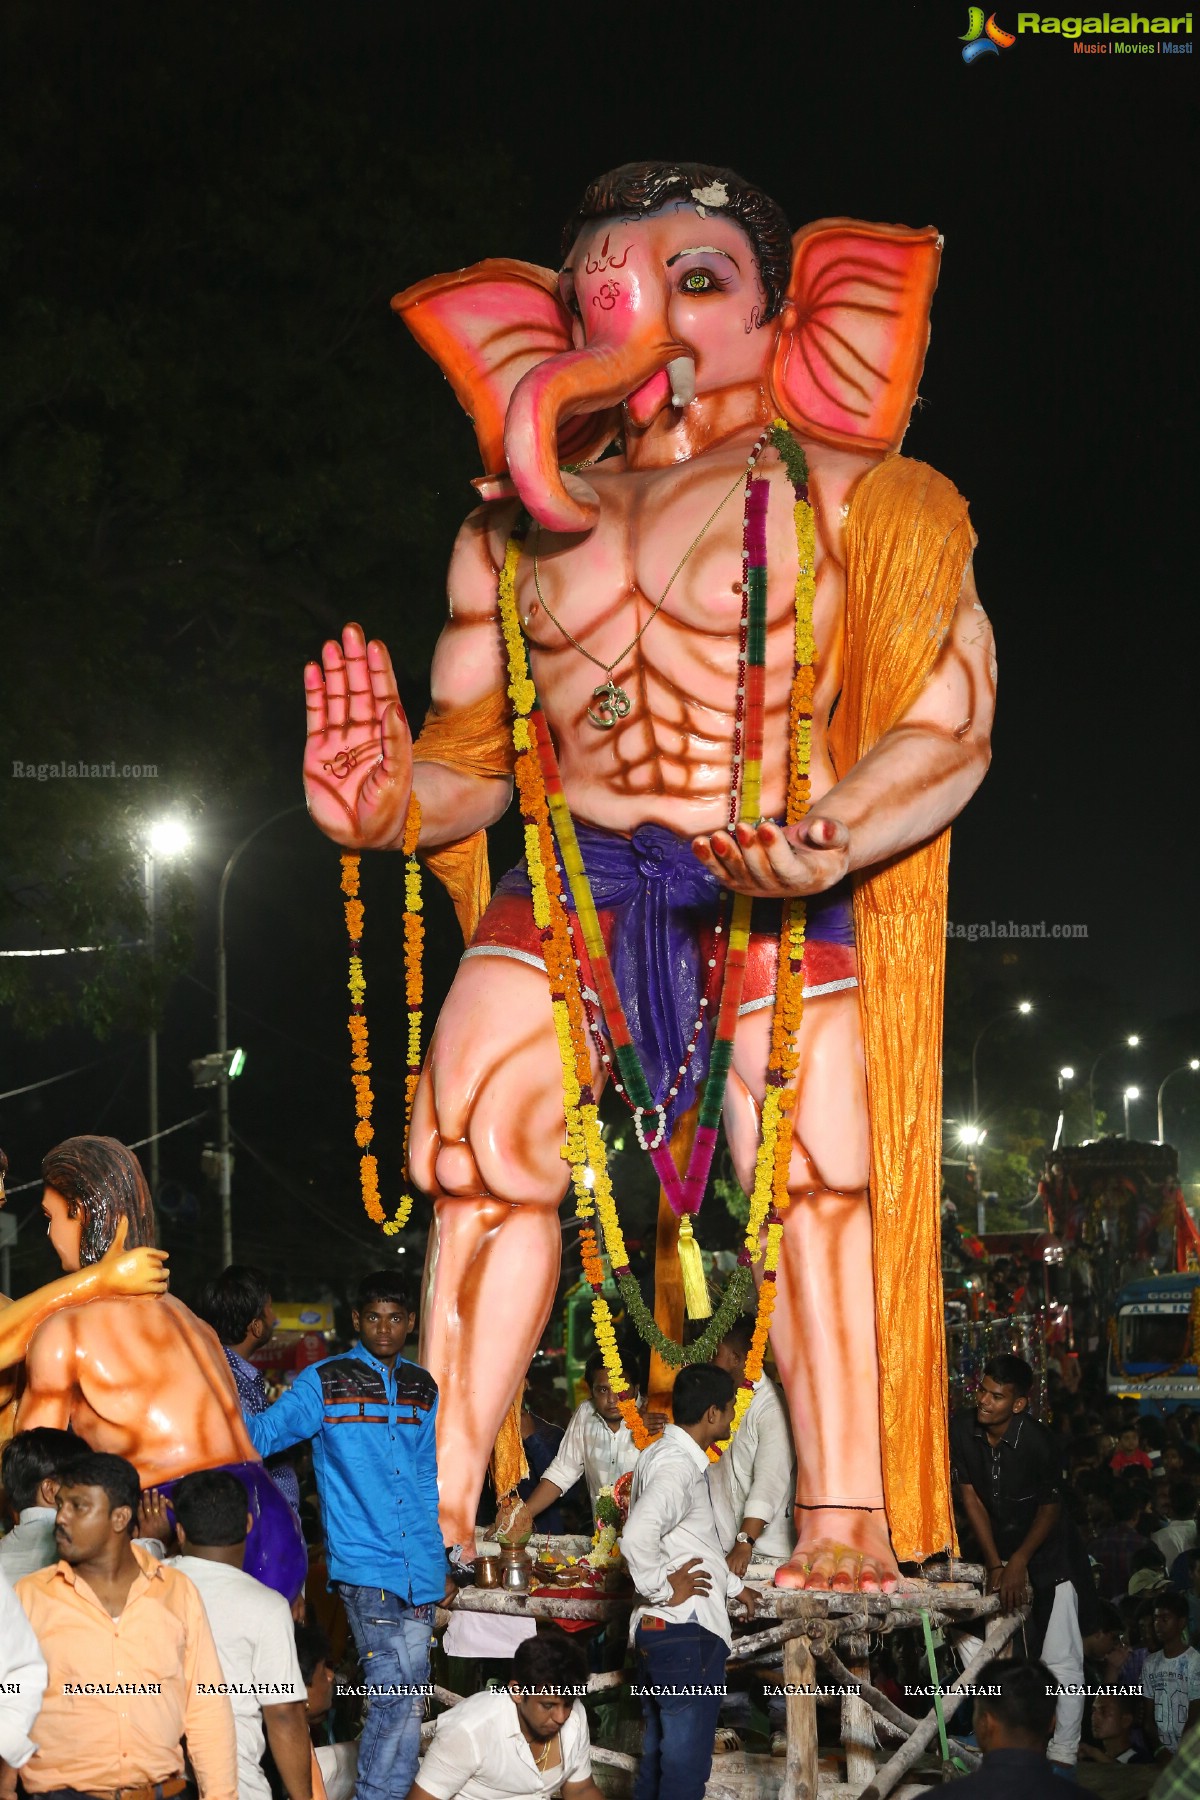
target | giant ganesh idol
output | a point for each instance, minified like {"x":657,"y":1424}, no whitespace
{"x":727,"y":641}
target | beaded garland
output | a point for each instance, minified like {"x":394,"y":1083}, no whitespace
{"x":414,"y":991}
{"x":685,"y":1193}
{"x":584,"y":1145}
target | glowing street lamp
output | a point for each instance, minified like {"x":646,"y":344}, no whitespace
{"x":971,"y":1137}
{"x":1193,"y":1063}
{"x":1130,"y":1093}
{"x":1065,"y":1074}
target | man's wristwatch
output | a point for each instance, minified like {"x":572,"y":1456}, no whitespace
{"x":743,"y":1537}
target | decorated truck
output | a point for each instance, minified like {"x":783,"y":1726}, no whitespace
{"x":1154,"y":1337}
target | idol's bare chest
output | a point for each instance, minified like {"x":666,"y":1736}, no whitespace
{"x":666,"y":555}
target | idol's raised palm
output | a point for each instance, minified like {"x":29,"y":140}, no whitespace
{"x":358,"y":752}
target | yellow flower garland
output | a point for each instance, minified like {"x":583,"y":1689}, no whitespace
{"x":414,"y":989}
{"x":584,"y":1145}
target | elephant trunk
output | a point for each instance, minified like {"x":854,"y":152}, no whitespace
{"x":644,"y":372}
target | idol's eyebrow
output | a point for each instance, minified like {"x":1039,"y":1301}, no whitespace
{"x":704,"y":250}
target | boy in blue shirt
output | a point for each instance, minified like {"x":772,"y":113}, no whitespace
{"x":372,"y":1418}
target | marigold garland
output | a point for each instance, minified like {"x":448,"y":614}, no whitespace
{"x":414,"y":991}
{"x":584,"y":1147}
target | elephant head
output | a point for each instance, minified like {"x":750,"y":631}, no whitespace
{"x":680,"y":285}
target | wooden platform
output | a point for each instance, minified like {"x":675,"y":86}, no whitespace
{"x":814,"y":1639}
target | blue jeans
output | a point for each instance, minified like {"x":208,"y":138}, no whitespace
{"x":677,"y":1746}
{"x":392,"y":1639}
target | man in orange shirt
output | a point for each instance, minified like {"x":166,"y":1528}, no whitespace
{"x":133,"y":1667}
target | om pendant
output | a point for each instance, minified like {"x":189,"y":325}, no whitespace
{"x":614,"y":704}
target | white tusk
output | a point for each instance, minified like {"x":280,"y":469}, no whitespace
{"x":682,"y":373}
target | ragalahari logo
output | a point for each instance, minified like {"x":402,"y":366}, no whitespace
{"x":984,"y":38}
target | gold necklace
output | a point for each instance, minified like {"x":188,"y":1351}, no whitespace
{"x":614,"y":702}
{"x":544,"y":1758}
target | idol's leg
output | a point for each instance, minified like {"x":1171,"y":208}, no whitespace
{"x":823,"y":1333}
{"x":486,"y":1133}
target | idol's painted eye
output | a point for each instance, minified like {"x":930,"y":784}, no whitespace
{"x":698,"y":281}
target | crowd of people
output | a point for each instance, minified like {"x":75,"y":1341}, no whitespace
{"x":140,"y":1659}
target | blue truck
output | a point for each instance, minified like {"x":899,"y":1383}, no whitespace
{"x":1151,"y":1354}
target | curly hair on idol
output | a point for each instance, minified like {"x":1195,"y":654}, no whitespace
{"x":638,"y":188}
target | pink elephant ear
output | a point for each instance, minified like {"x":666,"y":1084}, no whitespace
{"x":487,"y":326}
{"x":854,"y":331}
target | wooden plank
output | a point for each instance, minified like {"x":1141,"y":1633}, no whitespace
{"x":800,"y":1768}
{"x":858,"y":1731}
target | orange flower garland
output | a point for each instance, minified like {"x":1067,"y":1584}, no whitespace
{"x":584,"y":1147}
{"x":414,"y":990}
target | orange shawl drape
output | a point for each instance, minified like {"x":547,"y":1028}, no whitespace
{"x":908,"y":543}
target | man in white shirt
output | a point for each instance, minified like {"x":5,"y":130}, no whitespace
{"x":673,"y":1552}
{"x":252,"y":1629}
{"x":22,"y":1683}
{"x":1179,"y":1532}
{"x":31,"y":1467}
{"x":754,"y":1483}
{"x":597,"y":1444}
{"x":521,"y":1742}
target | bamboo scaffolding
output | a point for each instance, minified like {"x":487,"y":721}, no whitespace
{"x":804,"y":1627}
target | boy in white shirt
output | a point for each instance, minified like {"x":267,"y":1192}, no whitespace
{"x":1170,"y":1677}
{"x":673,"y":1552}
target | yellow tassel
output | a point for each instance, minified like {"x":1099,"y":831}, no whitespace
{"x":695,"y":1287}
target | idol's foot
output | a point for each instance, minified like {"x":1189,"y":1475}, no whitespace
{"x":841,"y":1549}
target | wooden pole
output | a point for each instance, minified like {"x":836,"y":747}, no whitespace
{"x":858,"y":1731}
{"x":909,"y":1752}
{"x":800,"y":1770}
{"x":533,"y":1606}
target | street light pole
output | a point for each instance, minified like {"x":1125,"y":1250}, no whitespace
{"x":148,"y":871}
{"x":1023,"y":1007}
{"x":1131,"y":1043}
{"x":1065,"y":1074}
{"x":1193,"y":1063}
{"x":224,"y":1126}
{"x":165,"y":837}
{"x":1130,"y":1093}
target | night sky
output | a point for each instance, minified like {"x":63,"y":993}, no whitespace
{"x":1058,"y":395}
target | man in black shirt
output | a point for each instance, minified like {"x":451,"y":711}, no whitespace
{"x":1009,"y":1476}
{"x":1012,"y":1725}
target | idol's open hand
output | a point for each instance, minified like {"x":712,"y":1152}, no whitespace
{"x":130,"y":1273}
{"x":358,"y":753}
{"x":776,"y":861}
